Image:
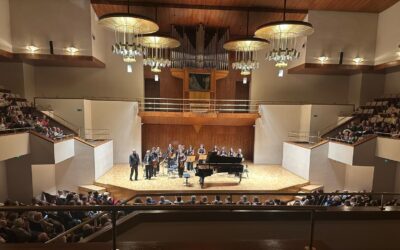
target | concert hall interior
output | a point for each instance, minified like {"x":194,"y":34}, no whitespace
{"x":199,"y":124}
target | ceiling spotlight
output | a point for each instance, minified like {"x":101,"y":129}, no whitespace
{"x":129,"y":68}
{"x":32,"y":48}
{"x":244,"y":80}
{"x":71,"y":50}
{"x":323,"y":59}
{"x":358,"y":60}
{"x":156,"y":78}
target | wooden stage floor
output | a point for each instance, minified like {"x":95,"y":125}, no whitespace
{"x":261,"y":178}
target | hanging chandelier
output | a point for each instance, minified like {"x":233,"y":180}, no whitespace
{"x":246,"y":51}
{"x":156,"y":51}
{"x":128,"y":28}
{"x":283,"y":36}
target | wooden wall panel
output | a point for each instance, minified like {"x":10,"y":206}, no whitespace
{"x":228,"y":136}
{"x":170,"y":87}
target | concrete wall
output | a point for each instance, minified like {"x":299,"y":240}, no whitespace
{"x":325,"y":171}
{"x":388,"y":35}
{"x":121,"y":119}
{"x":267,"y":86}
{"x":12,"y":77}
{"x":5,"y":31}
{"x":350,"y":32}
{"x":103,"y":158}
{"x":14,"y":145}
{"x":27,"y":28}
{"x":72,"y":110}
{"x":78,"y":170}
{"x":388,"y":148}
{"x":384,"y":175}
{"x":43,"y":179}
{"x":110,"y":82}
{"x":19,"y":179}
{"x":341,"y":153}
{"x":392,"y":81}
{"x":359,"y":178}
{"x":297,"y":160}
{"x":326,"y":116}
{"x":397,"y":179}
{"x":64,"y":150}
{"x":272,"y":130}
{"x":3,"y":182}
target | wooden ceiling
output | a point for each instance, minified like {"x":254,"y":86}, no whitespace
{"x":232,"y":13}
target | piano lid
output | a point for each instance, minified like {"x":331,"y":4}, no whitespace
{"x":212,"y":157}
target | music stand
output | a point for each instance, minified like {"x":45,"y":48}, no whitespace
{"x":191,"y":158}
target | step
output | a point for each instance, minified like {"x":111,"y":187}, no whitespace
{"x":311,"y":188}
{"x":91,"y":188}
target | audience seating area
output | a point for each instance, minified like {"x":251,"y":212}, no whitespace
{"x":17,"y":114}
{"x":378,"y":117}
{"x":41,"y":227}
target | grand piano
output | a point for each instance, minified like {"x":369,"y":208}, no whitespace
{"x":219,"y":164}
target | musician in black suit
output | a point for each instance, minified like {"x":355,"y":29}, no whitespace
{"x":215,"y":149}
{"x":134,"y":161}
{"x":147,"y":161}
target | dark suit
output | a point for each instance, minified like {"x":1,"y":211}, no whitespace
{"x":147,"y":160}
{"x":134,"y":161}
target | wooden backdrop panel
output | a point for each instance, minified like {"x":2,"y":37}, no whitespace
{"x":228,"y":136}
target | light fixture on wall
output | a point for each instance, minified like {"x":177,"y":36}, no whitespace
{"x":244,"y":80}
{"x":128,"y":28}
{"x":32,"y":49}
{"x":323,"y":59}
{"x":129,"y":68}
{"x":280,"y":73}
{"x":156,"y":78}
{"x":157,"y":51}
{"x":72,"y":50}
{"x":283,"y":36}
{"x":358,"y":60}
{"x":246,"y":51}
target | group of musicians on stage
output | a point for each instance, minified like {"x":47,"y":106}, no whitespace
{"x":179,"y":156}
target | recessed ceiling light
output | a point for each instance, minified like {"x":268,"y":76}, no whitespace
{"x":323,"y":59}
{"x":358,"y":60}
{"x":32,"y":48}
{"x":72,"y":50}
{"x":156,"y":78}
{"x":244,"y":80}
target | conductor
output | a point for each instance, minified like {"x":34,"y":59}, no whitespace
{"x":134,"y":161}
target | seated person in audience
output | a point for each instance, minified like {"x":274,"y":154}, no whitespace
{"x":204,"y":200}
{"x":178,"y":200}
{"x":150,"y":201}
{"x":392,"y":109}
{"x":164,"y":201}
{"x":217,"y":200}
{"x":256,"y":201}
{"x":21,"y":231}
{"x":138,"y":201}
{"x":192,"y":200}
{"x":243,"y":200}
{"x":228,"y":200}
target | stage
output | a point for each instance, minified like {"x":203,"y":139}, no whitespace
{"x":261,"y":178}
